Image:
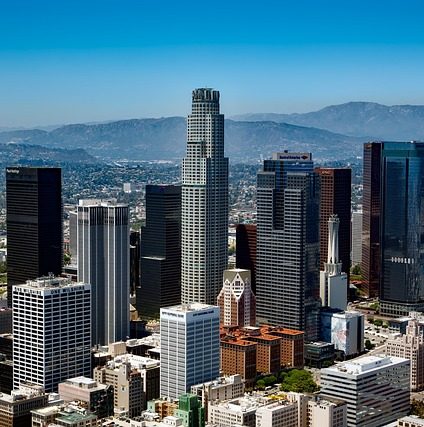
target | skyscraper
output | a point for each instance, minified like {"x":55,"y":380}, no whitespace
{"x":160,"y":251}
{"x":402,"y":227}
{"x":34,"y":224}
{"x":55,"y":344}
{"x":189,"y":347}
{"x":204,"y":233}
{"x":103,"y":261}
{"x":246,"y":250}
{"x":236,"y":300}
{"x":287,"y":283}
{"x":333,"y":282}
{"x":135,"y":261}
{"x":371,"y":262}
{"x":356,"y":237}
{"x":335,"y":199}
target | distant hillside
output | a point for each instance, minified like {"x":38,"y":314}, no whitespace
{"x":397,"y":122}
{"x":13,"y":154}
{"x":165,"y":138}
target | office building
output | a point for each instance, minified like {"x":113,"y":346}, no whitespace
{"x":189,"y":347}
{"x":376,"y":389}
{"x":356,"y":238}
{"x":16,"y":407}
{"x":103,"y":261}
{"x":190,"y":411}
{"x":73,"y":237}
{"x":246,"y":250}
{"x":371,"y":211}
{"x":51,"y":331}
{"x":335,"y":199}
{"x":6,"y":374}
{"x":236,"y":300}
{"x":319,"y":353}
{"x":411,"y":347}
{"x":333,"y":283}
{"x":238,"y":356}
{"x":164,"y":407}
{"x":326,"y":412}
{"x":401,"y":241}
{"x":410,"y":421}
{"x":34,"y":224}
{"x":97,"y":397}
{"x":204,"y":233}
{"x":344,"y":329}
{"x":135,"y":260}
{"x":160,"y":251}
{"x":292,"y":346}
{"x":287,"y":282}
{"x":223,"y":388}
{"x":281,"y":413}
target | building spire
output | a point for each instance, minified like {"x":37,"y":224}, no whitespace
{"x":333,"y":265}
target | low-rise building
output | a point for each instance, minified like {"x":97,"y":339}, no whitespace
{"x":326,"y":412}
{"x":278,"y":414}
{"x":163,"y":407}
{"x":98,"y":397}
{"x":410,"y":421}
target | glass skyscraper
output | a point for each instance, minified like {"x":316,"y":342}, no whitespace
{"x":402,"y":227}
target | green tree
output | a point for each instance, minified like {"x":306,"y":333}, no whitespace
{"x":270,"y":380}
{"x":299,"y":381}
{"x":368,"y":345}
{"x":3,"y":267}
{"x":378,"y":322}
{"x":260,"y":385}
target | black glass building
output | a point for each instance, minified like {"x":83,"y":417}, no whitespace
{"x":402,"y":227}
{"x":34,"y":224}
{"x":160,"y":251}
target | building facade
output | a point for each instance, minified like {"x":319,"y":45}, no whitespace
{"x":189,"y":347}
{"x":204,"y":233}
{"x":287,"y":282}
{"x":246,"y":250}
{"x":34,"y":224}
{"x":103,"y":261}
{"x":335,"y":199}
{"x":51,"y":332}
{"x":376,"y":389}
{"x":410,"y":346}
{"x":160,"y":251}
{"x":356,"y":238}
{"x":236,"y":300}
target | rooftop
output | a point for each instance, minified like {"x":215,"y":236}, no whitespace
{"x":187,"y":308}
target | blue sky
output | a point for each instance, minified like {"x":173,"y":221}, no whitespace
{"x":81,"y":61}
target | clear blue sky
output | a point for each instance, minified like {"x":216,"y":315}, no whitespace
{"x":78,"y":61}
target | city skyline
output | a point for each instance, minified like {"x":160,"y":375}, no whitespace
{"x":102,"y":61}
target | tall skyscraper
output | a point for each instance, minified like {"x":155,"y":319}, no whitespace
{"x":356,"y":237}
{"x":103,"y":261}
{"x":34,"y":224}
{"x":135,"y":261}
{"x":204,"y":234}
{"x":371,"y":200}
{"x":402,"y":228}
{"x":287,"y":282}
{"x":246,"y":250}
{"x":236,"y":300}
{"x":335,"y":199}
{"x":333,"y":282}
{"x":51,"y":331}
{"x":189,"y":347}
{"x":160,"y":251}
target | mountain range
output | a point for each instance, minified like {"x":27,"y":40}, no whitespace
{"x":335,"y":132}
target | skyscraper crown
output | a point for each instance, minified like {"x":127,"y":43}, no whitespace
{"x":205,"y":95}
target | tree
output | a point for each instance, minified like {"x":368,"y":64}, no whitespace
{"x":368,"y":345}
{"x":299,"y":381}
{"x":270,"y":380}
{"x":356,"y":270}
{"x":260,"y":385}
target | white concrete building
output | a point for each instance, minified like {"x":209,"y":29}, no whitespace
{"x":103,"y":261}
{"x":190,"y":352}
{"x":410,"y":421}
{"x":326,"y":413}
{"x":333,"y":283}
{"x":375,"y":388}
{"x":51,"y":331}
{"x":204,"y":220}
{"x":410,"y":346}
{"x":278,"y":414}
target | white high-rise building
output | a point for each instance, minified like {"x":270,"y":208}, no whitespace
{"x":51,"y":332}
{"x":189,"y":347}
{"x":333,"y":283}
{"x":376,"y":389}
{"x":104,"y":262}
{"x":204,"y":221}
